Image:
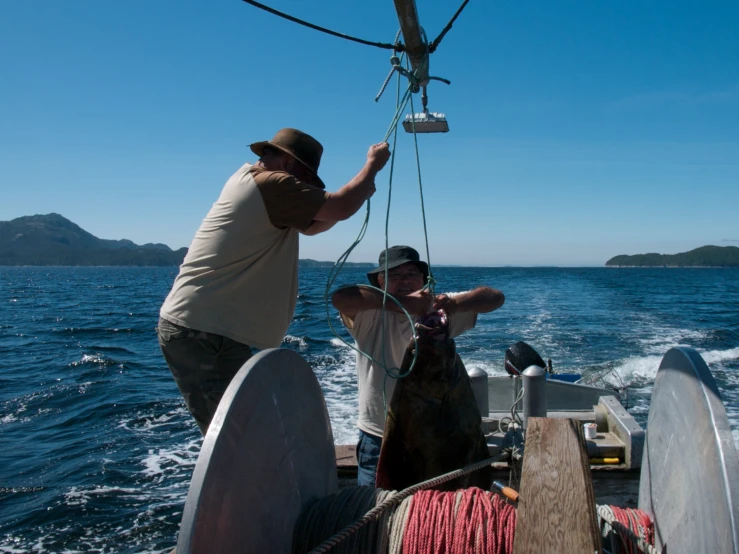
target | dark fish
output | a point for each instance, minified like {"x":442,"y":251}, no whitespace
{"x":433,"y":424}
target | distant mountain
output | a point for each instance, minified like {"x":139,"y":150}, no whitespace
{"x":705,"y":256}
{"x":315,"y":263}
{"x":54,"y":240}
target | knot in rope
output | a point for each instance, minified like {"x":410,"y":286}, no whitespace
{"x":431,"y":283}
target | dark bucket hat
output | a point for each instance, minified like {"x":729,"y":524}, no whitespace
{"x":397,"y":256}
{"x":299,"y":145}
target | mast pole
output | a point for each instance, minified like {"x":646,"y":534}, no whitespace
{"x":416,"y":47}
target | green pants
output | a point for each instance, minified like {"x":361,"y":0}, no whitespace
{"x":202,"y":364}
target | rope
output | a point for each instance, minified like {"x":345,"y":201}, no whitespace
{"x":435,"y":43}
{"x":457,"y":522}
{"x":439,"y":522}
{"x":431,"y":280}
{"x":392,"y":372}
{"x":393,"y":59}
{"x":626,"y":530}
{"x":401,"y":103}
{"x":338,"y":266}
{"x":429,"y":521}
{"x":398,"y":47}
{"x":515,"y":418}
{"x":393,"y":499}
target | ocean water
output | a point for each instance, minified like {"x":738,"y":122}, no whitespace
{"x":97,"y":449}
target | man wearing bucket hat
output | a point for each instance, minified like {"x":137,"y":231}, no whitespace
{"x":361,"y":311}
{"x":237,"y":287}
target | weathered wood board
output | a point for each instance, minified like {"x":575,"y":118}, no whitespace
{"x":556,"y":510}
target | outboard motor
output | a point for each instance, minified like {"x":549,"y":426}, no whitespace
{"x":520,"y":356}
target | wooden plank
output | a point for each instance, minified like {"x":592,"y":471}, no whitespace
{"x":556,"y":510}
{"x":346,"y":456}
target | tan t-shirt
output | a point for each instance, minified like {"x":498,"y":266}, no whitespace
{"x":365,"y":328}
{"x":240,"y":276}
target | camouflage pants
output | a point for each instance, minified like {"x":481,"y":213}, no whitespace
{"x":202,"y":365}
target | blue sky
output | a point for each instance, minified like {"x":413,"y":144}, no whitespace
{"x":579,"y":130}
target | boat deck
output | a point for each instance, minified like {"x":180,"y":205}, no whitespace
{"x":613,"y":484}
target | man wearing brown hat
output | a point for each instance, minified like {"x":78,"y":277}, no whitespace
{"x":361,"y":311}
{"x":237,"y":287}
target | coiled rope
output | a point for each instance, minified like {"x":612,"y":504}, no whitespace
{"x":429,"y":521}
{"x":392,"y":500}
{"x":437,"y":522}
{"x":626,"y":530}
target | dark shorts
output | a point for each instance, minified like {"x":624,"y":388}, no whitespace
{"x":202,"y":364}
{"x":368,"y":454}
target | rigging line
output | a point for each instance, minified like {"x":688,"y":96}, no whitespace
{"x":437,"y":40}
{"x":431,"y":281}
{"x":338,"y":266}
{"x":398,"y":47}
{"x":389,"y":75}
{"x":385,"y":294}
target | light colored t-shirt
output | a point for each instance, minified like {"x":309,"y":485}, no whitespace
{"x":365,"y":328}
{"x":240,"y":276}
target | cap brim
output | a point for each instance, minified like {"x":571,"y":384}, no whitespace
{"x":372,"y":275}
{"x":258,"y":149}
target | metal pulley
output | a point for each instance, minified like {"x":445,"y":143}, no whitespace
{"x":425,"y":122}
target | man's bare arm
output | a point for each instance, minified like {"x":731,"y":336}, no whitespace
{"x":345,"y":202}
{"x":355,"y":299}
{"x":318,"y":227}
{"x":480,"y":300}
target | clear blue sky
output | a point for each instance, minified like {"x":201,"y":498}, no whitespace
{"x":579,"y":130}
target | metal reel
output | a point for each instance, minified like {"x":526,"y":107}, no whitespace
{"x":690,"y":469}
{"x":268,"y":452}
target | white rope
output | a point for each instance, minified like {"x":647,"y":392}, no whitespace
{"x":508,"y":421}
{"x":620,"y":535}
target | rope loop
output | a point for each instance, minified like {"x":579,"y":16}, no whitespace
{"x":401,"y":103}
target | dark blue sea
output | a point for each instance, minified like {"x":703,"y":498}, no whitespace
{"x":97,"y":449}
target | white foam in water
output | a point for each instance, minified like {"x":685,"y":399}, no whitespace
{"x":77,"y":497}
{"x":340,"y":392}
{"x":151,"y":423}
{"x":658,"y":339}
{"x":490,"y":369}
{"x":299,"y":341}
{"x":11,"y":550}
{"x":338,"y":343}
{"x":645,"y":367}
{"x":172,"y":459}
{"x":718,"y":356}
{"x":638,"y":368}
{"x":92,"y":359}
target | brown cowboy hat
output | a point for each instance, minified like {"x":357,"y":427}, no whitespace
{"x":299,"y":145}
